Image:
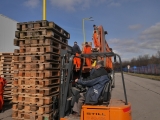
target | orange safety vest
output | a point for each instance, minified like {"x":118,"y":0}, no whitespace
{"x":95,"y":40}
{"x":87,"y":50}
{"x":2,"y":84}
{"x":77,"y":61}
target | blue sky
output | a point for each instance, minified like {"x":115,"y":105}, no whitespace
{"x":133,"y":25}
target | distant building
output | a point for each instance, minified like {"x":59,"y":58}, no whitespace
{"x":7,"y":34}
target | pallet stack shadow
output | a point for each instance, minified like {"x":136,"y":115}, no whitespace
{"x":37,"y":69}
{"x":6,"y":65}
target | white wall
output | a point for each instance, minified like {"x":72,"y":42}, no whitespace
{"x":7,"y":34}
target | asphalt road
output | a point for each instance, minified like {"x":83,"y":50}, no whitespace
{"x":143,"y":94}
{"x":6,"y":115}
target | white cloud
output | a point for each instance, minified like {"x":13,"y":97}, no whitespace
{"x":147,"y":43}
{"x":150,"y":38}
{"x":32,"y":3}
{"x":151,"y":33}
{"x":124,"y":46}
{"x":135,"y":27}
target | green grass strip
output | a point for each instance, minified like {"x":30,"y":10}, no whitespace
{"x":153,"y":77}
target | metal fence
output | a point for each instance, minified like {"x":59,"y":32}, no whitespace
{"x":153,"y":69}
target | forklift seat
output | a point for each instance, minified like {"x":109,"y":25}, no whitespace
{"x":106,"y":93}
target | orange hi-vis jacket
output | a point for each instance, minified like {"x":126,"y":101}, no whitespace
{"x":2,"y":84}
{"x":87,"y":50}
{"x":77,"y":61}
{"x":95,"y":39}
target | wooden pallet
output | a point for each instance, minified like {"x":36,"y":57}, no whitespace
{"x":37,"y":74}
{"x":35,"y":33}
{"x":39,"y":49}
{"x":36,"y":83}
{"x":37,"y":66}
{"x":36,"y":50}
{"x":39,"y":42}
{"x":33,"y":108}
{"x":42,"y":24}
{"x":37,"y":58}
{"x":17,"y":115}
{"x":39,"y":92}
{"x":34,"y":100}
{"x":36,"y":42}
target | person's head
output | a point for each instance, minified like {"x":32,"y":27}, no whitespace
{"x":99,"y":64}
{"x":94,"y":25}
{"x":75,"y":42}
{"x":86,"y":43}
{"x":110,"y":49}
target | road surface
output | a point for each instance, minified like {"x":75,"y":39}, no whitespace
{"x":143,"y":94}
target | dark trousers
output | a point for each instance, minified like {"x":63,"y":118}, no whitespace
{"x":78,"y":106}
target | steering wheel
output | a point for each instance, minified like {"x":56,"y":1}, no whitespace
{"x":80,"y":87}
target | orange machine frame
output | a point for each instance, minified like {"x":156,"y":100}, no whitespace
{"x":103,"y":47}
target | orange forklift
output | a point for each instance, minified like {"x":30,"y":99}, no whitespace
{"x":107,"y":109}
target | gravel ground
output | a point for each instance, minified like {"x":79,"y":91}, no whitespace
{"x":6,"y":115}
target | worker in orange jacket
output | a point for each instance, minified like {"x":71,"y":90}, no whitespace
{"x":76,"y":51}
{"x":95,"y":37}
{"x":87,"y":50}
{"x":2,"y":85}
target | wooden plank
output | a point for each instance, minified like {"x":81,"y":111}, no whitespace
{"x":36,"y":83}
{"x":7,"y":93}
{"x":33,"y":100}
{"x":5,"y":63}
{"x":6,"y":54}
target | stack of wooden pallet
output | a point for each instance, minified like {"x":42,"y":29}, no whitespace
{"x":37,"y":69}
{"x":6,"y":65}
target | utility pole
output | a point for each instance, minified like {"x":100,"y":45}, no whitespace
{"x":84,"y":34}
{"x":44,"y":9}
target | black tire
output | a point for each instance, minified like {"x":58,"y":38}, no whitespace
{"x":113,"y":81}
